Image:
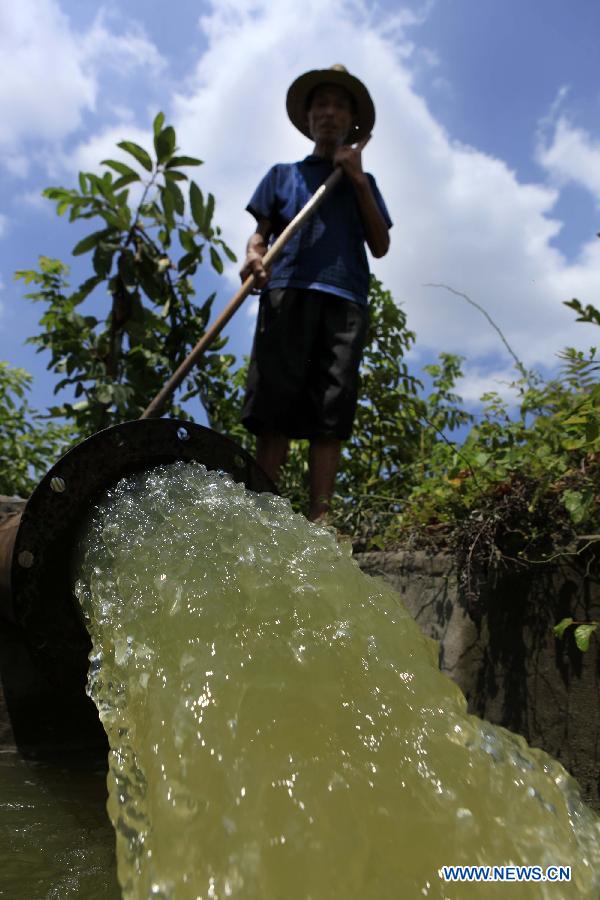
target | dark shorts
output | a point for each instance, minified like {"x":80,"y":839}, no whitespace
{"x":303,"y":374}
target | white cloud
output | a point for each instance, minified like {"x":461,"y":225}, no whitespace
{"x":48,"y":88}
{"x":252,"y":308}
{"x":55,"y":72}
{"x":461,"y":216}
{"x":572,"y":156}
{"x":15,"y":163}
{"x":87,"y":155}
{"x":33,"y":198}
{"x":121,"y":52}
{"x":477,"y":381}
{"x":3,"y":224}
{"x":251,"y":313}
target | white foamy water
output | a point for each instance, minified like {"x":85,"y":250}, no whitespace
{"x":278,"y":724}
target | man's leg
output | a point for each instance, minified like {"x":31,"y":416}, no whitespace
{"x":334,"y":391}
{"x":323,"y":461}
{"x":271,"y":453}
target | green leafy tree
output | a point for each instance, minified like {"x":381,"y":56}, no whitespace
{"x":522,"y":487}
{"x":386,"y":438}
{"x":583,"y":421}
{"x":144,"y":256}
{"x":28,"y":446}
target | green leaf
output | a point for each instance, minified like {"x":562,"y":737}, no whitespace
{"x":117,"y":219}
{"x":125,"y":180}
{"x":93,"y":183}
{"x":190,"y":259}
{"x":102,"y":260}
{"x":575,"y":504}
{"x":575,"y":444}
{"x":197,"y":204}
{"x":119,"y":167}
{"x":173,"y":175}
{"x":168,"y":204}
{"x":592,"y":430}
{"x":164,"y":144}
{"x":127,"y":268}
{"x":152,"y":283}
{"x":178,"y":201}
{"x":183,"y":161}
{"x":104,"y":393}
{"x":89,"y":242}
{"x":216,"y":260}
{"x":587,"y":314}
{"x":105,"y":186}
{"x":208,"y":213}
{"x":55,"y":193}
{"x":186,"y":240}
{"x":138,"y":153}
{"x":158,"y":123}
{"x":228,"y":252}
{"x":583,"y":634}
{"x":26,"y":275}
{"x":560,"y":629}
{"x":85,"y":289}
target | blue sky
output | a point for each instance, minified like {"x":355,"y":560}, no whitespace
{"x":486,"y":147}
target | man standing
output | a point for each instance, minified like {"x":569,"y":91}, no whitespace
{"x":313,"y":314}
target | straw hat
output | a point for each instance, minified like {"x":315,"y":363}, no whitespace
{"x":339,"y":75}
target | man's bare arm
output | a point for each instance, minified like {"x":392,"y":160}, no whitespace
{"x":376,"y":230}
{"x":255,"y":250}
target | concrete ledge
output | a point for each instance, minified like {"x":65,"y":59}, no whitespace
{"x":502,"y":652}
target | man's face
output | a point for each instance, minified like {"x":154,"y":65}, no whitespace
{"x":330,"y":116}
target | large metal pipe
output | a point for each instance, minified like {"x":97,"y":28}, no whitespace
{"x":44,"y":645}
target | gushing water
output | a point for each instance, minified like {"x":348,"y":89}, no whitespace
{"x":278,"y":724}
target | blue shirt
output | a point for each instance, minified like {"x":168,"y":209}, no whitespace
{"x":328,"y":253}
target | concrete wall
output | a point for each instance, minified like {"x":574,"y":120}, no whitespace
{"x":502,"y":652}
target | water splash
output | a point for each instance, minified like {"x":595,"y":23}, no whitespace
{"x":278,"y":724}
